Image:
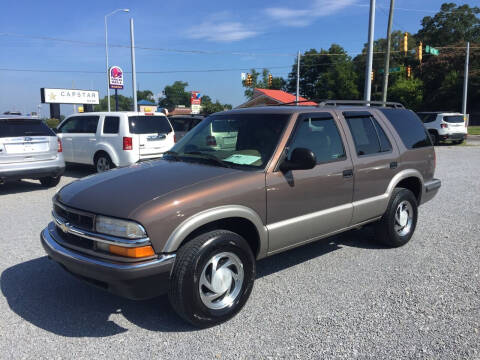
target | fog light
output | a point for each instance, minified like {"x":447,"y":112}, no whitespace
{"x":133,"y":252}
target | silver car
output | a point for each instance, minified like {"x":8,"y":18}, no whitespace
{"x":29,"y":150}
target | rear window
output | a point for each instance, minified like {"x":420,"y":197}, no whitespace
{"x":455,"y":119}
{"x":180,"y":124}
{"x":222,"y":126}
{"x":409,"y":127}
{"x":19,"y":127}
{"x":149,"y":125}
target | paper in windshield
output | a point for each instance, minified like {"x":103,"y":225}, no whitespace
{"x":242,"y":159}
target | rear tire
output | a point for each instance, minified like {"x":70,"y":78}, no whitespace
{"x":212,"y":278}
{"x":50,"y":181}
{"x":397,"y":225}
{"x":103,"y":162}
{"x":457,"y":142}
{"x":435,"y":139}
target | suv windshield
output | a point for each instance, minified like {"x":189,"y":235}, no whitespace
{"x":453,"y":119}
{"x":244,"y":140}
{"x":24,"y":127}
{"x":149,"y":125}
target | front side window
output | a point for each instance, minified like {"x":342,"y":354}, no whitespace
{"x":368,"y":136}
{"x":235,"y":140}
{"x":70,"y":126}
{"x":319,"y":134}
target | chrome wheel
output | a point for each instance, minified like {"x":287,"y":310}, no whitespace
{"x":221,"y":281}
{"x":103,"y":164}
{"x":403,"y":218}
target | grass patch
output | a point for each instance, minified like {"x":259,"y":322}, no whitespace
{"x":474,"y":130}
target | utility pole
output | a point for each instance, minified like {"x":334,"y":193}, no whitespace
{"x":368,"y":68}
{"x":387,"y":55}
{"x":134,"y":73}
{"x":465,"y":81}
{"x":298,"y":79}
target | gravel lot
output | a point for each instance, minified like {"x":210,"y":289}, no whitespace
{"x":342,"y":298}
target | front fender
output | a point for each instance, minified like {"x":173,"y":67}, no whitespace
{"x":214,"y":214}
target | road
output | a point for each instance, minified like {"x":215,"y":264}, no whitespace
{"x":343,"y":298}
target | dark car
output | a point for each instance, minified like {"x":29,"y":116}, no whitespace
{"x":194,"y":223}
{"x":184,"y":123}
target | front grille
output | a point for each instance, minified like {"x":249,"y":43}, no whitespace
{"x":78,"y":219}
{"x":74,"y":240}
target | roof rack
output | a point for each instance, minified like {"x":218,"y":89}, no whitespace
{"x":395,"y":105}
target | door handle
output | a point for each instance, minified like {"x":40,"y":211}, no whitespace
{"x":393,"y":165}
{"x":348,"y":173}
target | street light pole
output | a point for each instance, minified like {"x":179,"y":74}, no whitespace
{"x":465,"y":81}
{"x":368,"y":67}
{"x":387,"y":56}
{"x":298,"y":79}
{"x":134,"y":72}
{"x":106,"y":52}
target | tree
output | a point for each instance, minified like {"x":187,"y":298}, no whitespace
{"x":124,"y":104}
{"x":209,"y":107}
{"x":408,"y":92}
{"x":175,"y":95}
{"x":452,"y":24}
{"x":325,"y":74}
{"x":145,"y":95}
{"x":260,"y":81}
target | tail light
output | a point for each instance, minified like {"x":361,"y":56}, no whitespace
{"x":60,"y":148}
{"x":175,"y":138}
{"x":444,"y":126}
{"x":211,"y":141}
{"x":127,"y":143}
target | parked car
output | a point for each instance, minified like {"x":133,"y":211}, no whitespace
{"x":110,"y":139}
{"x":445,"y":126}
{"x":29,"y":150}
{"x":194,"y":223}
{"x":184,"y":123}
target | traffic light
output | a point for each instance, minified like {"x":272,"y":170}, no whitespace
{"x":249,"y":80}
{"x":372,"y":75}
{"x":270,"y":80}
{"x":409,"y":71}
{"x":420,"y":51}
{"x":405,"y":43}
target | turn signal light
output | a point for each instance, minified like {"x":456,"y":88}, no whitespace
{"x":127,"y":143}
{"x":60,"y":148}
{"x":136,"y":252}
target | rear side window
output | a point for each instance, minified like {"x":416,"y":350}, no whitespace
{"x":454,"y":119}
{"x":149,"y":125}
{"x":24,"y":127}
{"x":409,"y":127}
{"x":111,"y":124}
{"x":319,"y":134}
{"x":368,"y":135}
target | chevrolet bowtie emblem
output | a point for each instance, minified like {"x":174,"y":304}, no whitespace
{"x":64,"y":227}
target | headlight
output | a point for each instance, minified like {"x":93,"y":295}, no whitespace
{"x":121,"y":228}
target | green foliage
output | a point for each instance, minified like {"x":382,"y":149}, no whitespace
{"x":260,"y":81}
{"x":124,"y":104}
{"x":209,"y":107}
{"x":474,"y":130}
{"x":52,"y":123}
{"x":145,"y":95}
{"x":175,"y":95}
{"x":452,"y":24}
{"x":408,"y":92}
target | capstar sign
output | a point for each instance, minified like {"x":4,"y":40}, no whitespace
{"x":68,"y":96}
{"x":115,"y":77}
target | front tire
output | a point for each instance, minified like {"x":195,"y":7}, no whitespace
{"x":212,"y":278}
{"x":397,"y":225}
{"x":50,"y":181}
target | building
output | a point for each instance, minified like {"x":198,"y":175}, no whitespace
{"x":146,"y":106}
{"x":262,"y":97}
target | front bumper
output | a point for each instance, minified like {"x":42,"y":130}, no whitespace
{"x":139,"y":280}
{"x":430,"y":189}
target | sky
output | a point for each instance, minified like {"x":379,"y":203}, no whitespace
{"x":176,"y":40}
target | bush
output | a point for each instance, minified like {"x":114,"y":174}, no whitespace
{"x":52,"y":123}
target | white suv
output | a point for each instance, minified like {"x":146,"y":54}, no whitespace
{"x":445,"y":126}
{"x":109,"y":139}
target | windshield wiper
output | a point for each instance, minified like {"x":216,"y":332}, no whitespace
{"x":173,"y":154}
{"x":209,"y":157}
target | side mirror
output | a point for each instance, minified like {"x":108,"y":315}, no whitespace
{"x":301,"y":159}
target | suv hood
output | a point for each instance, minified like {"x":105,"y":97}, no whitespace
{"x":119,"y":192}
